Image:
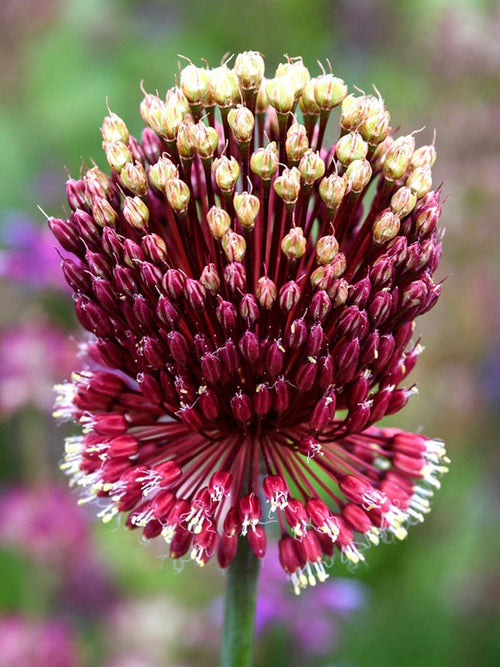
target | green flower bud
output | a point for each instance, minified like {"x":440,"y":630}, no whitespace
{"x":247,"y":208}
{"x":377,"y":122}
{"x":241,"y":121}
{"x":351,"y":147}
{"x":261,"y":102}
{"x":195,"y":83}
{"x":287,"y":186}
{"x":358,"y":175}
{"x":420,"y":181}
{"x":186,"y":138}
{"x":296,"y":72}
{"x":103,"y":213}
{"x":136,"y":213}
{"x":249,"y":68}
{"x":339,"y":293}
{"x":264,"y":161}
{"x":381,"y":151}
{"x":226,"y":172}
{"x":398,"y":157}
{"x":329,"y":91}
{"x":385,"y":227}
{"x":307,"y":100}
{"x":353,"y":112}
{"x":178,"y":194}
{"x":296,"y":143}
{"x":133,"y":177}
{"x":96,"y":183}
{"x":293,"y":244}
{"x":161,"y":172}
{"x":148,"y":105}
{"x":210,"y":279}
{"x":332,"y":191}
{"x":281,"y":93}
{"x":322,"y":277}
{"x":266,"y":292}
{"x":326,"y":249}
{"x":206,"y":140}
{"x":425,"y":156}
{"x":170,"y":120}
{"x":117,"y":155}
{"x":114,"y":129}
{"x":403,"y":202}
{"x":311,"y":167}
{"x":218,"y":221}
{"x":234,"y":246}
{"x":176,"y":96}
{"x":224,"y":86}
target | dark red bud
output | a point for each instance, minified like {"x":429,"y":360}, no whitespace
{"x":167,"y":312}
{"x":75,"y":276}
{"x":86,"y":225}
{"x":235,"y":276}
{"x":132,"y":253}
{"x":257,"y":541}
{"x":249,"y":309}
{"x":281,"y":395}
{"x":226,"y":315}
{"x":151,"y":145}
{"x":209,"y":404}
{"x":75,"y":193}
{"x":359,"y":293}
{"x":195,"y":294}
{"x":262,"y":400}
{"x":211,"y":368}
{"x":241,"y":406}
{"x":380,"y":308}
{"x":296,"y":335}
{"x":179,"y":348}
{"x":106,"y":295}
{"x":315,"y":340}
{"x":112,"y":244}
{"x":289,"y":296}
{"x":382,"y":273}
{"x":320,"y":306}
{"x":250,"y":347}
{"x":66,"y":234}
{"x":274,"y":358}
{"x":173,"y":283}
{"x":143,"y":311}
{"x":306,"y":375}
{"x":326,"y":368}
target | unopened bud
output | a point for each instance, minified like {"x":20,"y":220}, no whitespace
{"x":241,"y":121}
{"x":324,"y":276}
{"x":377,"y":123}
{"x":186,"y":138}
{"x":307,"y":100}
{"x":296,"y":72}
{"x":178,"y":194}
{"x":210,"y":278}
{"x":293,"y":244}
{"x":332,"y":190}
{"x":353,"y":112}
{"x":195,"y":83}
{"x":381,"y":151}
{"x":170,"y":119}
{"x":176,"y":96}
{"x":136,"y":213}
{"x":218,"y":221}
{"x":326,"y":249}
{"x":117,"y":155}
{"x":266,"y":292}
{"x":224,"y":86}
{"x":281,"y":94}
{"x":234,"y":246}
{"x":103,"y":213}
{"x":358,"y":175}
{"x":385,"y":227}
{"x":296,"y":143}
{"x":247,"y":209}
{"x":226,"y":172}
{"x":114,"y":129}
{"x":425,"y":156}
{"x":287,"y":186}
{"x":133,"y":177}
{"x":261,"y":102}
{"x":398,"y":157}
{"x":264,"y":161}
{"x":249,"y":68}
{"x":420,"y":181}
{"x":206,"y":140}
{"x":311,"y":167}
{"x":162,"y":172}
{"x":329,"y":91}
{"x":351,"y":147}
{"x":403,"y":202}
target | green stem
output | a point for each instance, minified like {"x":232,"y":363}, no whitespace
{"x":239,"y":612}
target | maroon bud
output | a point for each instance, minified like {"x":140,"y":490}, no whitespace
{"x":209,"y":404}
{"x":274,"y":358}
{"x":306,"y":375}
{"x":249,"y":309}
{"x":191,"y":418}
{"x":320,"y":306}
{"x":380,"y":403}
{"x":399,"y":399}
{"x":98,"y":264}
{"x":348,"y":321}
{"x":226,"y":315}
{"x":154,"y":248}
{"x":380,"y":308}
{"x":111,"y":244}
{"x":143,"y":311}
{"x":281,"y":400}
{"x":262,"y":400}
{"x":398,"y":250}
{"x":382,"y":273}
{"x":241,"y":406}
{"x":132,"y":253}
{"x":124,"y":279}
{"x":106,"y":295}
{"x":75,"y":276}
{"x":357,"y":417}
{"x":358,"y":390}
{"x":229,"y":357}
{"x":310,"y":447}
{"x":153,"y":352}
{"x":211,"y":368}
{"x":173,"y":283}
{"x":185,"y":388}
{"x":296,"y":335}
{"x":87,"y":226}
{"x":179,"y":348}
{"x":66,"y":234}
{"x":250,"y":347}
{"x":315,"y":340}
{"x":201,"y":345}
{"x":136,"y":151}
{"x":369,"y":350}
{"x":346,"y":355}
{"x":75,"y":193}
{"x":150,"y":276}
{"x":151,"y":145}
{"x":110,"y":352}
{"x":110,"y":424}
{"x":257,"y":541}
{"x":289,"y":296}
{"x":359,"y":293}
{"x":385,"y":350}
{"x":195,"y":294}
{"x":326,"y":368}
{"x":414,"y":295}
{"x":167,"y":312}
{"x":235,"y":276}
{"x":150,"y":388}
{"x":323,"y":413}
{"x":226,"y":551}
{"x":432,"y":297}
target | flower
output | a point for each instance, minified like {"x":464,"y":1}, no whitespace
{"x":36,"y":643}
{"x":250,"y":320}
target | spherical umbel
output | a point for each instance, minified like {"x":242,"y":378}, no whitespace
{"x":251,"y":317}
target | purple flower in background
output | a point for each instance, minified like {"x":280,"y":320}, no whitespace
{"x":24,"y":643}
{"x":29,"y":256}
{"x":33,"y":355}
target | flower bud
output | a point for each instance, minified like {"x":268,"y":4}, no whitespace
{"x":186,"y":138}
{"x":293,"y":244}
{"x":249,"y":68}
{"x":351,"y":147}
{"x":287,"y":186}
{"x":311,"y":167}
{"x":307,"y":100}
{"x":234,"y":246}
{"x":425,"y":156}
{"x":195,"y":83}
{"x":224,"y":86}
{"x":206,"y":140}
{"x":377,"y":122}
{"x":219,"y":222}
{"x":266,"y":292}
{"x":324,"y":276}
{"x":136,"y":213}
{"x":420,"y":181}
{"x":133,"y":177}
{"x":296,"y":72}
{"x":241,"y":121}
{"x":358,"y":175}
{"x":264,"y":161}
{"x":261,"y":103}
{"x":154,"y":248}
{"x":353,"y":112}
{"x":117,"y":155}
{"x":114,"y":129}
{"x":176,"y":96}
{"x":289,"y":296}
{"x":332,"y":190}
{"x":380,"y":152}
{"x":398,"y":157}
{"x":281,"y":94}
{"x":326,"y":249}
{"x":296,"y":143}
{"x":178,"y":194}
{"x":247,"y":208}
{"x":162,"y":172}
{"x":226,"y":172}
{"x":385,"y":227}
{"x":329,"y":91}
{"x":249,"y":309}
{"x":235,"y":276}
{"x":210,"y":279}
{"x":103,"y":213}
{"x":403,"y":202}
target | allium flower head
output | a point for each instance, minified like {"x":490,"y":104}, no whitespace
{"x":251,"y":294}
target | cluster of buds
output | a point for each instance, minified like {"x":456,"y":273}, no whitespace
{"x":250,"y":321}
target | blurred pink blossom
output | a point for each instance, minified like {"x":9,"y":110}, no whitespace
{"x":28,"y":643}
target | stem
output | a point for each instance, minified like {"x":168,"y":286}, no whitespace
{"x":239,"y":612}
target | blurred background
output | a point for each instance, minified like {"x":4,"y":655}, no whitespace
{"x":76,"y":594}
